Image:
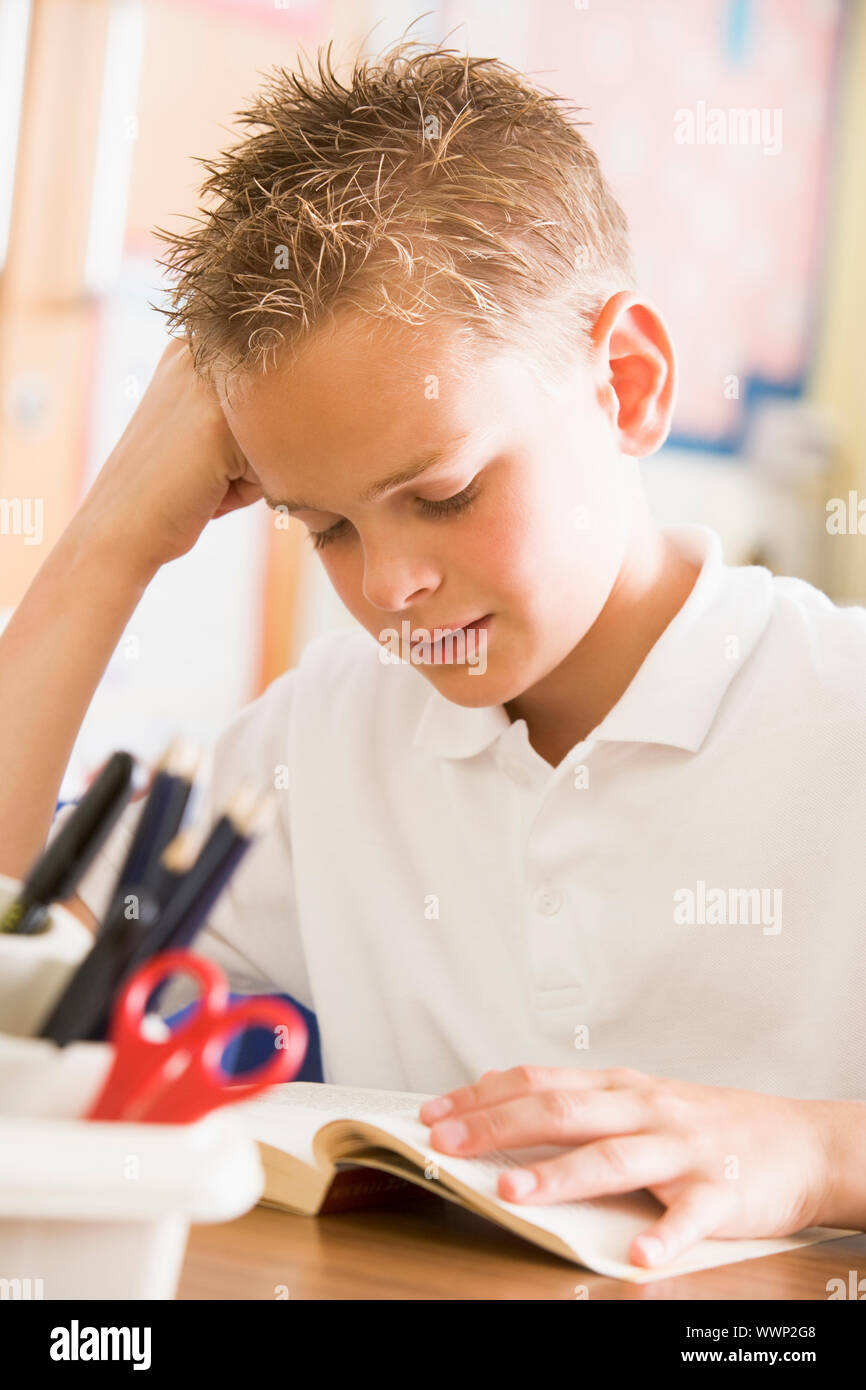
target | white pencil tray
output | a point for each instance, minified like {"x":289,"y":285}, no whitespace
{"x":97,"y":1210}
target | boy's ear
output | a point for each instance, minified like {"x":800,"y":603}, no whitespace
{"x":637,"y":372}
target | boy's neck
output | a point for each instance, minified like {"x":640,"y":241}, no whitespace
{"x":650,"y":589}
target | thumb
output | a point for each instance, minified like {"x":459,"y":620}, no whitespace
{"x":695,"y":1214}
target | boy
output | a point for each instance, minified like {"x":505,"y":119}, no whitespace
{"x":601,"y":888}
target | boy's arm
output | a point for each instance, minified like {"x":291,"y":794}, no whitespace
{"x":53,"y":652}
{"x":176,"y":466}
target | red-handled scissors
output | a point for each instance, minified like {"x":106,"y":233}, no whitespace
{"x":181,"y":1078}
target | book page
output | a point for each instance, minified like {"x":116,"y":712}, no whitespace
{"x":598,"y":1232}
{"x":289,"y":1116}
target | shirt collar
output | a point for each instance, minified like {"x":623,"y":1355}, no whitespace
{"x":676,"y":693}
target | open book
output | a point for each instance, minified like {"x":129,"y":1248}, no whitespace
{"x":316,"y":1141}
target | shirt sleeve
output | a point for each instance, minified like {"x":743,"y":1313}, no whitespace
{"x":251,"y":930}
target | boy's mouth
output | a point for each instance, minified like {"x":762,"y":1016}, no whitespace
{"x":476,"y":625}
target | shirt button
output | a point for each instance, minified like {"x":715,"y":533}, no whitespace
{"x":548,"y":901}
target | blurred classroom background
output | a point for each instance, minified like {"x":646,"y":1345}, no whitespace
{"x":753,"y":252}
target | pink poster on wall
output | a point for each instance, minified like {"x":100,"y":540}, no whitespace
{"x":713,"y":124}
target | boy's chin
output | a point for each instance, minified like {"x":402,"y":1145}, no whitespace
{"x":471,"y":686}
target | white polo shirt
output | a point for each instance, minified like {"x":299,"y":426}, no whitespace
{"x":685,"y":893}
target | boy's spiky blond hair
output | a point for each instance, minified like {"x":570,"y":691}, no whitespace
{"x":432,"y":186}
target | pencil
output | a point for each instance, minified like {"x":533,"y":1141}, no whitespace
{"x":84,"y":1010}
{"x":160,"y":818}
{"x":198,"y":887}
{"x":58,"y":869}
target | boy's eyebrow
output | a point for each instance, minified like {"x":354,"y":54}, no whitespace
{"x":394,"y":480}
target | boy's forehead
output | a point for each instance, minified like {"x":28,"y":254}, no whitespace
{"x":355,"y":354}
{"x":390,"y":392}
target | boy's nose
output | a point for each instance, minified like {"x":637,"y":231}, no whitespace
{"x":393,"y":583}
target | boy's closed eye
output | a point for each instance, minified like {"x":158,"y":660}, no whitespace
{"x":457,"y":503}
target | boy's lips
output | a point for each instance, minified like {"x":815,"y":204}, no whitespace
{"x":445,"y":629}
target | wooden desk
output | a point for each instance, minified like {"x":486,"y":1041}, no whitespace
{"x":430,"y":1249}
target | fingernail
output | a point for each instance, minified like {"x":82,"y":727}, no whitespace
{"x":652,"y":1249}
{"x":434,"y":1109}
{"x":522,"y":1182}
{"x":452,"y":1134}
